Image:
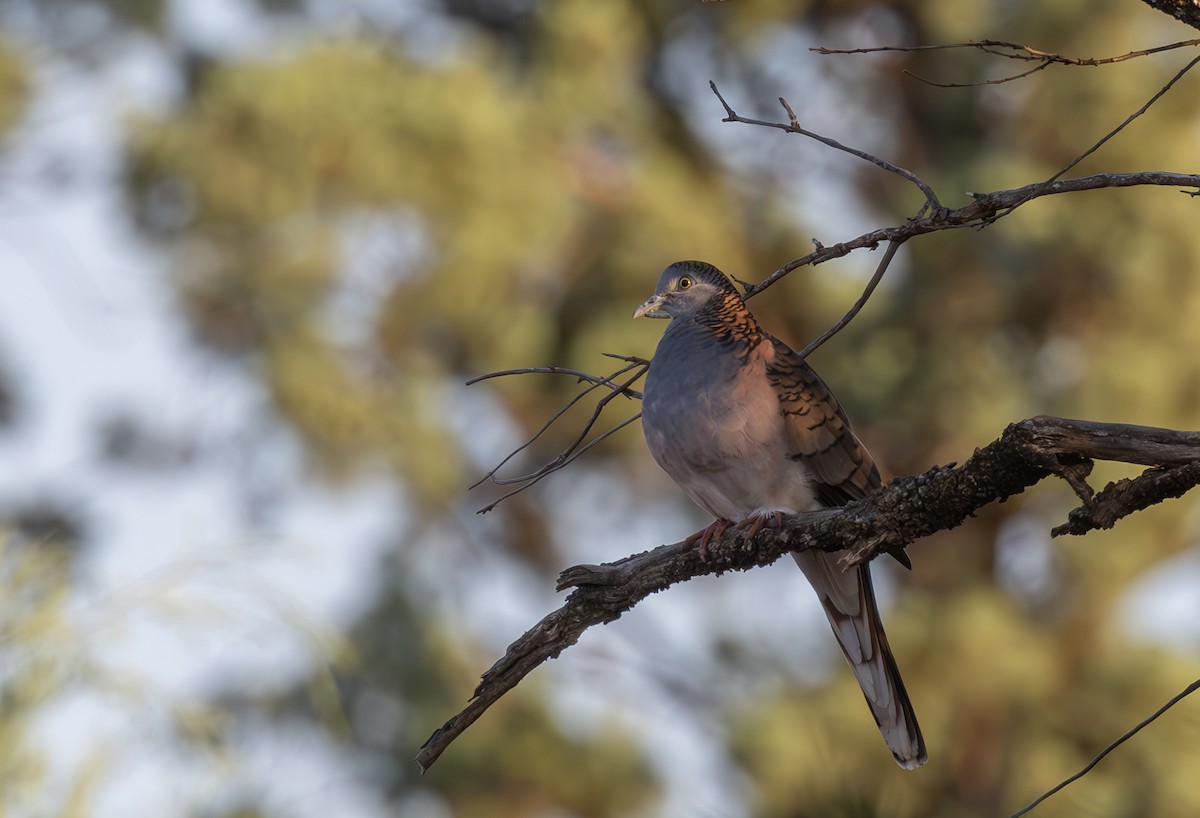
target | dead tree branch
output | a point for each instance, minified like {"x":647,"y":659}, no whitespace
{"x":982,"y":211}
{"x":905,"y":510}
{"x":1185,"y":11}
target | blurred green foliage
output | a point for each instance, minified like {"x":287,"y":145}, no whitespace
{"x":534,"y":175}
{"x":14,"y":88}
{"x":40,"y":662}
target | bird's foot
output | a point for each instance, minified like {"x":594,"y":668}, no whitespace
{"x":756,"y":521}
{"x":707,"y":535}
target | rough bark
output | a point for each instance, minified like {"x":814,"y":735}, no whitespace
{"x":1185,"y":11}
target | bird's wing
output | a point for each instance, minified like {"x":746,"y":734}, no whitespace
{"x":818,"y":434}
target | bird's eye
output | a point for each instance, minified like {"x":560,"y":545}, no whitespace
{"x":684,"y":283}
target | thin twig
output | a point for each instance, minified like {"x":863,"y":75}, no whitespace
{"x":999,"y":81}
{"x":572,"y":450}
{"x":888,"y":255}
{"x":629,"y":359}
{"x":563,"y":456}
{"x":582,"y":376}
{"x":1187,"y":691}
{"x":1022,"y":52}
{"x":793,"y":126}
{"x":938,"y":218}
{"x":560,"y":370}
{"x":558,"y":463}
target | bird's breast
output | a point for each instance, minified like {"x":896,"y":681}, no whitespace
{"x":713,"y":421}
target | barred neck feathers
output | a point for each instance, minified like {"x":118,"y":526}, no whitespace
{"x":727,"y":318}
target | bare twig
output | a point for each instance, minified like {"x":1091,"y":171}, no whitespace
{"x":888,"y":255}
{"x":1187,"y":691}
{"x":896,"y":515}
{"x":793,"y":126}
{"x":576,"y":447}
{"x":629,"y":359}
{"x":1125,"y":497}
{"x":561,"y":370}
{"x":1016,"y":51}
{"x":581,"y":376}
{"x":562,"y":461}
{"x":997,"y":81}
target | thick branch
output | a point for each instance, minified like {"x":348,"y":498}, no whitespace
{"x":1124,"y":497}
{"x":903,"y":511}
{"x":1185,"y":11}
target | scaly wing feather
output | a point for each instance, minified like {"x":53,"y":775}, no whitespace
{"x":818,"y":433}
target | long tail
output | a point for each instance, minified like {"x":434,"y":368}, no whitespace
{"x":849,"y":601}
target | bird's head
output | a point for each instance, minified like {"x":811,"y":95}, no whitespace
{"x":684,"y":288}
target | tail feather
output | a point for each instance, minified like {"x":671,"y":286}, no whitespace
{"x":849,"y":601}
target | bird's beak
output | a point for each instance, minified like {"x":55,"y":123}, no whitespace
{"x":650,"y":309}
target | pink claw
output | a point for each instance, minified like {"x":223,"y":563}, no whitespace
{"x":706,"y":535}
{"x":755,"y":522}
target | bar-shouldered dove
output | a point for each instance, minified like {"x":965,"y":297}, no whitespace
{"x":748,"y":430}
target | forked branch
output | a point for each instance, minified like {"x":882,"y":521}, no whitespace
{"x":577,"y":447}
{"x":793,"y":126}
{"x":986,"y":207}
{"x":981,"y":211}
